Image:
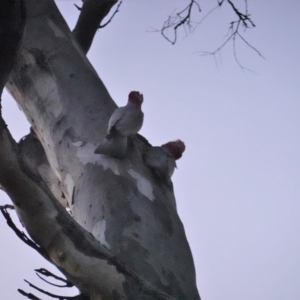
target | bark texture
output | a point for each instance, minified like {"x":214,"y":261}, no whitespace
{"x":125,"y":239}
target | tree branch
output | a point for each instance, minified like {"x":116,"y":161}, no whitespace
{"x":180,"y":19}
{"x":28,"y":295}
{"x":33,"y":297}
{"x":244,"y":20}
{"x":183,"y":19}
{"x":51,"y":89}
{"x":91,"y":15}
{"x":49,"y":274}
{"x":112,"y":16}
{"x":53,"y":295}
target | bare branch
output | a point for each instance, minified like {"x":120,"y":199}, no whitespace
{"x":253,"y":48}
{"x":183,"y":19}
{"x":117,"y":10}
{"x":244,"y":20}
{"x":50,"y":294}
{"x":49,"y":274}
{"x":91,"y":15}
{"x":28,"y":295}
{"x":180,"y":19}
{"x":7,"y":206}
{"x":33,"y":297}
{"x":208,"y":13}
{"x":79,"y":8}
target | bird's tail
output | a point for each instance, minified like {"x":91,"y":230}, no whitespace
{"x":115,"y":146}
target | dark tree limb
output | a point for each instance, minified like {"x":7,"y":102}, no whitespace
{"x":91,"y":15}
{"x":12,"y":24}
{"x":7,"y":206}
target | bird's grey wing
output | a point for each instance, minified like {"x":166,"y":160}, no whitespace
{"x":117,"y":115}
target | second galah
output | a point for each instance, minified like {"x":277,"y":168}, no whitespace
{"x":163,"y":159}
{"x":124,"y":121}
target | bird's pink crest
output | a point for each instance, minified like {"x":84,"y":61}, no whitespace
{"x":175,"y":148}
{"x":136,"y":98}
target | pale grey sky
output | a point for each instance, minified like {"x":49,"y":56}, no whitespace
{"x":237,"y":185}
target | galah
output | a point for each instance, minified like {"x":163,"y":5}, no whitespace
{"x":163,"y":159}
{"x":124,"y":121}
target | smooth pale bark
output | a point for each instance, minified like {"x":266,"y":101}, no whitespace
{"x":142,"y":251}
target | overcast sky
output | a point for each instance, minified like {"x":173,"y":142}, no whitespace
{"x":238,"y":183}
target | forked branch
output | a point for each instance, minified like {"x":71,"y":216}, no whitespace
{"x":91,"y":15}
{"x":180,"y":19}
{"x":47,"y":273}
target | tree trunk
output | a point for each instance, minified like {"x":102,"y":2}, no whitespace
{"x":125,"y":239}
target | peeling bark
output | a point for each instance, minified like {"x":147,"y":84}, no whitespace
{"x":126,"y":240}
{"x":32,"y":151}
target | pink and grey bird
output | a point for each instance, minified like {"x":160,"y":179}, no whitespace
{"x":124,"y":121}
{"x":163,"y":159}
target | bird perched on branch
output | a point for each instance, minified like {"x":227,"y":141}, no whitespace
{"x":163,"y":159}
{"x":124,"y":121}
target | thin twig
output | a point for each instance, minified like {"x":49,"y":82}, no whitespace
{"x":180,"y":19}
{"x":252,"y":47}
{"x":183,"y":19}
{"x":49,"y":274}
{"x":49,"y":294}
{"x":201,"y":21}
{"x":28,"y":295}
{"x":78,"y":7}
{"x":7,"y":206}
{"x":245,"y":18}
{"x":20,"y":233}
{"x":117,"y":10}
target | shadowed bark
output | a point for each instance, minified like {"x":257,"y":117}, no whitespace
{"x":12,"y":23}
